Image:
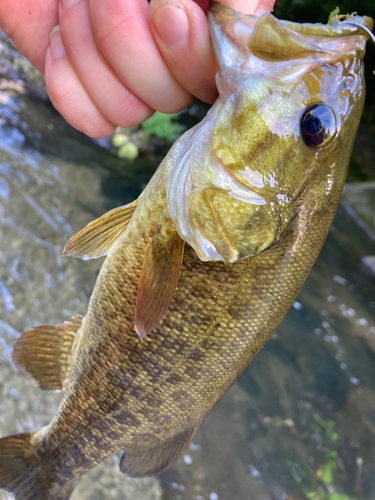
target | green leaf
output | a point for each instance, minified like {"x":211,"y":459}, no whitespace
{"x":327,"y":472}
{"x":338,"y":496}
{"x":162,"y":126}
{"x":333,"y":15}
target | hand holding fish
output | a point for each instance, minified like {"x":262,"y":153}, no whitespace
{"x":111,"y":64}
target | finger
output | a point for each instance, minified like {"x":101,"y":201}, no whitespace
{"x":264,"y":6}
{"x":181,"y":31}
{"x":67,"y":94}
{"x":254,"y":7}
{"x":116,"y":102}
{"x":28,"y":24}
{"x":123,"y":34}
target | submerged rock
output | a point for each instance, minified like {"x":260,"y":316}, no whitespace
{"x":369,"y":262}
{"x":359,"y":200}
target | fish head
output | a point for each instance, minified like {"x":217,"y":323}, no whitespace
{"x":291,"y":97}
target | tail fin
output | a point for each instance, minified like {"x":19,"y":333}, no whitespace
{"x":17,"y":474}
{"x":20,"y":471}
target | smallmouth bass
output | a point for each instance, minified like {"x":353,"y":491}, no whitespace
{"x":204,"y":265}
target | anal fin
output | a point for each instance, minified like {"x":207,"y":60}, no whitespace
{"x":96,"y":239}
{"x":150,"y":461}
{"x":44,"y":353}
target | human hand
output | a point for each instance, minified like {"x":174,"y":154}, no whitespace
{"x":113,"y":63}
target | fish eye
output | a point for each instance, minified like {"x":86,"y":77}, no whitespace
{"x":318,"y":125}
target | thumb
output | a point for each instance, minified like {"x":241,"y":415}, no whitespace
{"x":257,"y":7}
{"x":180,"y":30}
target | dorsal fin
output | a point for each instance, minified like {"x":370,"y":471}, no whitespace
{"x":150,"y":461}
{"x":97,"y":238}
{"x":159,"y":278}
{"x":44,"y":353}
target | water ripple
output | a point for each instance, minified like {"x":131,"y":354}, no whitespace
{"x":7,"y":298}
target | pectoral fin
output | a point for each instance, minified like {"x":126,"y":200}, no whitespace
{"x":158,"y":281}
{"x":44,"y":353}
{"x":97,"y":238}
{"x":153,"y":460}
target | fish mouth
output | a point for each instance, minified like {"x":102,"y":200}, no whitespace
{"x":273,"y":40}
{"x":337,"y":26}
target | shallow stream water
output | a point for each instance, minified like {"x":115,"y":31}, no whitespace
{"x":299,"y":423}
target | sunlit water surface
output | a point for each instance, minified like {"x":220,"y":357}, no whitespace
{"x":299,"y":423}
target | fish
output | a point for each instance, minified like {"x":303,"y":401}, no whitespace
{"x":202,"y":268}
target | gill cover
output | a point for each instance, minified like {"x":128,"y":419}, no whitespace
{"x":290,"y":99}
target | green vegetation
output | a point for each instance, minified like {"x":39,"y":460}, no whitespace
{"x":328,"y":496}
{"x":325,"y":471}
{"x":301,"y":472}
{"x":164,"y":126}
{"x":130,"y":142}
{"x":311,"y":11}
{"x":327,"y":426}
{"x":318,"y":483}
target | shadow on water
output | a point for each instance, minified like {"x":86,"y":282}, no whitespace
{"x":299,"y":423}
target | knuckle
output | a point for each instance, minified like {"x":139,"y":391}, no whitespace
{"x":109,"y":25}
{"x":62,"y":93}
{"x":134,"y":111}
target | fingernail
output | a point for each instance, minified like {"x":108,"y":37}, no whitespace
{"x":67,"y":3}
{"x":55,"y":43}
{"x":171,"y":24}
{"x":259,"y":12}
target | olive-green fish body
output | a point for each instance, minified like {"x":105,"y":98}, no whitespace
{"x":204,"y":265}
